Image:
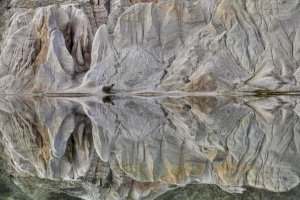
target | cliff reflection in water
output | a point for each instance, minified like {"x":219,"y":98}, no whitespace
{"x":140,"y":148}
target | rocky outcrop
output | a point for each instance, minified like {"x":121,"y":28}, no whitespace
{"x":140,"y":148}
{"x":198,"y":47}
{"x":152,"y":46}
{"x":49,"y":49}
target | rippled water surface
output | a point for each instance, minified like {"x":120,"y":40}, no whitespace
{"x":112,"y":147}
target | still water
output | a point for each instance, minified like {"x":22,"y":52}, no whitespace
{"x":112,"y":147}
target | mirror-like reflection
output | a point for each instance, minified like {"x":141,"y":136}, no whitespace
{"x":141,"y":148}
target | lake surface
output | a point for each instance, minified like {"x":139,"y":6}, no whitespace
{"x":116,"y":147}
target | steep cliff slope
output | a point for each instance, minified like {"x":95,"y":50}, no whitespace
{"x":171,"y":45}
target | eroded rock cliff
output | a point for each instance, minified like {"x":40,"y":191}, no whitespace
{"x":173,"y":45}
{"x":113,"y":147}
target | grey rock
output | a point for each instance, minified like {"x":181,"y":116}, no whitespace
{"x":166,"y":46}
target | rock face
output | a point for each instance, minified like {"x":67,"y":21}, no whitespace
{"x":172,"y":45}
{"x":140,"y":148}
{"x":49,"y":49}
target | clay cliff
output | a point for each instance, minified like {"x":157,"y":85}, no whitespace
{"x":151,"y":46}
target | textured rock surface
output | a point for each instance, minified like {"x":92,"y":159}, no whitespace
{"x":139,"y":147}
{"x":49,"y":49}
{"x":171,"y":45}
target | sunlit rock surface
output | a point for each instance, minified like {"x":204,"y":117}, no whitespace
{"x":146,"y":46}
{"x":137,"y":148}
